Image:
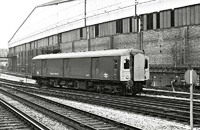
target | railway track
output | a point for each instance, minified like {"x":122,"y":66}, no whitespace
{"x":172,"y":94}
{"x":14,"y":119}
{"x":70,"y":116}
{"x":166,"y":108}
{"x":163,"y":107}
{"x":146,"y":90}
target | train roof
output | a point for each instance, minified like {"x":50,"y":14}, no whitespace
{"x":114,"y":52}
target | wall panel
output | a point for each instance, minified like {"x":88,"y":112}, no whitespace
{"x":197,"y":14}
{"x":71,"y":36}
{"x":28,"y":47}
{"x":92,"y":31}
{"x":50,"y":40}
{"x":144,"y":22}
{"x":188,"y":12}
{"x":126,"y":41}
{"x":168,"y":16}
{"x":103,"y":43}
{"x":106,"y":29}
{"x":154,"y":20}
{"x":134,"y":24}
{"x":80,"y":46}
{"x":66,"y":47}
{"x":32,"y":45}
{"x":192,"y":13}
{"x":180,"y":17}
{"x":184,"y":16}
{"x":161,"y":20}
{"x":176,"y":17}
{"x":126,"y":25}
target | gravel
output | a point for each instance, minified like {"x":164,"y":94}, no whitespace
{"x":51,"y":123}
{"x":136,"y":120}
{"x":14,"y":78}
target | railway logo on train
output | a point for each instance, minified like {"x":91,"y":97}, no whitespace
{"x":120,"y":71}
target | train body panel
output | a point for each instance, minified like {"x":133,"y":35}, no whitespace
{"x":53,"y":68}
{"x":108,"y":68}
{"x":123,"y":69}
{"x":79,"y":68}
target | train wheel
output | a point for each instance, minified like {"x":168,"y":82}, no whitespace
{"x":137,"y":88}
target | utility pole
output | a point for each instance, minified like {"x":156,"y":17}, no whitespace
{"x":85,"y":3}
{"x":137,"y":17}
{"x":87,"y":28}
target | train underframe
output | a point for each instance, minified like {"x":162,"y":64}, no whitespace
{"x":114,"y":87}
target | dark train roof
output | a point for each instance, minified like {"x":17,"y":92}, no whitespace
{"x":118,"y":52}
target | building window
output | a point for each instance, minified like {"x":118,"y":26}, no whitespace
{"x":130,"y":23}
{"x":96,"y":30}
{"x":119,"y":26}
{"x":172,"y":18}
{"x":150,"y":21}
{"x":81,"y":32}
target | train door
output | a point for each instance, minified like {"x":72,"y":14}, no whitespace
{"x":44,"y":67}
{"x":66,"y":67}
{"x":139,"y":65}
{"x":95,"y":68}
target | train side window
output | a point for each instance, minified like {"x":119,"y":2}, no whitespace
{"x":126,"y":64}
{"x":115,"y":64}
{"x":146,"y":64}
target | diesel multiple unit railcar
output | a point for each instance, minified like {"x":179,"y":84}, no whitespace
{"x":123,"y":71}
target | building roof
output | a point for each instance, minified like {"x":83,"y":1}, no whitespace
{"x":54,"y":2}
{"x":63,"y":15}
{"x":114,"y":52}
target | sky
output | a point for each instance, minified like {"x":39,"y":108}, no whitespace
{"x":12,"y":14}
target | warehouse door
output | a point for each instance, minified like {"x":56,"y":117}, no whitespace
{"x":95,"y":68}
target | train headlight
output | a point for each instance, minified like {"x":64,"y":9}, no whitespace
{"x":127,"y":77}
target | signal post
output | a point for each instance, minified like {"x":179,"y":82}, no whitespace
{"x":191,"y":78}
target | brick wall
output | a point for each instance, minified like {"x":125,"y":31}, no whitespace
{"x":126,"y":41}
{"x":66,"y":47}
{"x":166,"y":47}
{"x":103,"y":43}
{"x":81,"y":45}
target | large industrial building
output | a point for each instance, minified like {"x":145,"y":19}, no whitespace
{"x":167,"y":30}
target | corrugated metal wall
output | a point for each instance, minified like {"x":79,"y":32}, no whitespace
{"x":106,"y":29}
{"x":71,"y":36}
{"x":126,"y":25}
{"x":187,"y":16}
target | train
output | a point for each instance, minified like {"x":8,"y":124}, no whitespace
{"x":118,"y":71}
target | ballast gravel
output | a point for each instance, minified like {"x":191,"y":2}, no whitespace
{"x":136,"y":120}
{"x":49,"y":122}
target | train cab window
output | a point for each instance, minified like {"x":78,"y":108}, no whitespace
{"x":146,"y":64}
{"x":126,"y":64}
